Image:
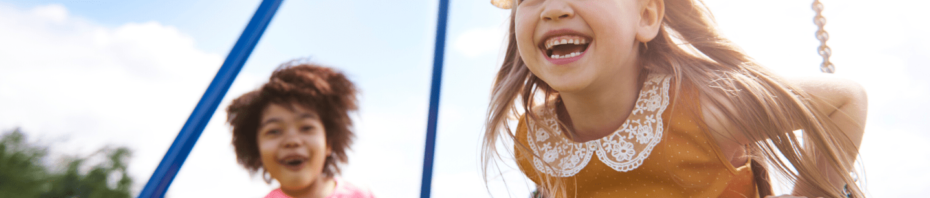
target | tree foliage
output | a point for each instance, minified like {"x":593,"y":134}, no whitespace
{"x":21,"y":170}
{"x":24,"y":171}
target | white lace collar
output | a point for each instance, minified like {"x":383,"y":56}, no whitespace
{"x":623,"y":150}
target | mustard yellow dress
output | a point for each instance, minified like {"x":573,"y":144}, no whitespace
{"x":661,"y":150}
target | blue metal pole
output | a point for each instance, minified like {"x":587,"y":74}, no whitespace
{"x":438,"y":53}
{"x":168,"y":168}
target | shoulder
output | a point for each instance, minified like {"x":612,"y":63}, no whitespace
{"x":277,"y":193}
{"x":523,"y":127}
{"x":523,"y":153}
{"x":345,"y":189}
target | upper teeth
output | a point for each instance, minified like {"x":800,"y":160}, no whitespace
{"x":561,"y":40}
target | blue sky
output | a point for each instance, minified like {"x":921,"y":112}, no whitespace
{"x":82,"y":74}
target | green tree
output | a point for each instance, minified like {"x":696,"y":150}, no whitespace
{"x":23,"y":173}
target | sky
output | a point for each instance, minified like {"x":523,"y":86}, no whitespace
{"x":79,"y":75}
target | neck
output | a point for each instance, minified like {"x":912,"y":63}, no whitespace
{"x":598,"y":111}
{"x":322,"y":187}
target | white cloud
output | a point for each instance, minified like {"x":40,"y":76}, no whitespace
{"x":82,"y":85}
{"x":479,"y":41}
{"x":64,"y":77}
{"x":53,"y":12}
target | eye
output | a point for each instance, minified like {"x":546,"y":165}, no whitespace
{"x":273,"y":132}
{"x":306,"y":128}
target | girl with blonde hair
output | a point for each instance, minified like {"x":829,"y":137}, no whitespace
{"x":645,"y":98}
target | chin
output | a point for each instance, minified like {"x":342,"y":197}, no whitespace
{"x":568,"y":83}
{"x":563,"y":88}
{"x":293,"y":183}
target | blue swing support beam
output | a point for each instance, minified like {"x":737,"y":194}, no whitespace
{"x":168,"y":168}
{"x":438,"y":53}
{"x":170,"y":165}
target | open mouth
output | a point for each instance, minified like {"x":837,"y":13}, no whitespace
{"x":565,"y":46}
{"x":293,"y":162}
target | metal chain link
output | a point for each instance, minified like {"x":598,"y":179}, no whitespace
{"x":823,"y":50}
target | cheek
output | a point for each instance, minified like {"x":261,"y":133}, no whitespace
{"x":266,"y":151}
{"x":621,"y":25}
{"x":614,"y":36}
{"x":318,"y":147}
{"x":524,"y":28}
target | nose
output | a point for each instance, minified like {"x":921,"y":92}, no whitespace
{"x":555,"y":10}
{"x":291,"y":140}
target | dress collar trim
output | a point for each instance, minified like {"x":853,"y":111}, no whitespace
{"x":623,"y":150}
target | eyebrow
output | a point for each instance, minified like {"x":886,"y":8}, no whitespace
{"x":302,"y":116}
{"x":269,"y":121}
{"x":307,"y":115}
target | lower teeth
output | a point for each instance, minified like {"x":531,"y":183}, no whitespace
{"x":573,"y":54}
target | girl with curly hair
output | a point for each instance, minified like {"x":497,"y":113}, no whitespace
{"x":296,"y":129}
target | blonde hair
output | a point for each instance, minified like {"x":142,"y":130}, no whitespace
{"x":764,"y":105}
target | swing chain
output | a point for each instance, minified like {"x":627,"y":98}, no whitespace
{"x":823,"y":36}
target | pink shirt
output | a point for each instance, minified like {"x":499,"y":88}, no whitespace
{"x":343,"y":190}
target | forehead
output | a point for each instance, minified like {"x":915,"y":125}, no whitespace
{"x":290,"y":109}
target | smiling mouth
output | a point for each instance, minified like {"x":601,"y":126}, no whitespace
{"x":565,"y":46}
{"x":294,"y":163}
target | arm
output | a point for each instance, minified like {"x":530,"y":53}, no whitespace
{"x":843,"y":101}
{"x":846,"y":104}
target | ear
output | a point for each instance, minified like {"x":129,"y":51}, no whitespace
{"x":652,"y":12}
{"x":329,"y":150}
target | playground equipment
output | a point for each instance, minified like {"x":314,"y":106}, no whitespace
{"x":823,"y":50}
{"x":181,"y":147}
{"x":170,"y":165}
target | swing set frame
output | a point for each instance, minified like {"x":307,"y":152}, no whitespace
{"x":169,"y":166}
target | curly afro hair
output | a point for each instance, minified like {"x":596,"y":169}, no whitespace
{"x":319,"y":88}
